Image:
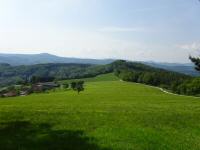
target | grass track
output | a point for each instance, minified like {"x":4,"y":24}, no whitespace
{"x":107,"y":115}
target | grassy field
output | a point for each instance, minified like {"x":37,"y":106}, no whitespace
{"x":104,"y":77}
{"x":108,"y":115}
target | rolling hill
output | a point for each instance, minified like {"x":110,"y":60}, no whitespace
{"x":58,"y":71}
{"x":32,"y":59}
{"x":108,"y":115}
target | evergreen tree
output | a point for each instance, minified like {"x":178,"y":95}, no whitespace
{"x":196,"y":61}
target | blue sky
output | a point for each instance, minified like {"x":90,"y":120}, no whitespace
{"x":145,"y":30}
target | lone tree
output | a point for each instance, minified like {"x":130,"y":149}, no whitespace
{"x":78,"y":86}
{"x":65,"y":85}
{"x":73,"y":85}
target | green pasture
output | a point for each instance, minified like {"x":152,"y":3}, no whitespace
{"x":108,"y":115}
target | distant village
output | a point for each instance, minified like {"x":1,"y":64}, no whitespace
{"x":39,"y":85}
{"x":23,"y":90}
{"x":35,"y":84}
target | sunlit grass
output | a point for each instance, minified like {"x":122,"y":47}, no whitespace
{"x":107,"y":115}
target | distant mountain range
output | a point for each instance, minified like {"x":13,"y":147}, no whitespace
{"x":187,"y":68}
{"x":31,"y":59}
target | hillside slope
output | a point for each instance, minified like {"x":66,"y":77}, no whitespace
{"x":107,"y":115}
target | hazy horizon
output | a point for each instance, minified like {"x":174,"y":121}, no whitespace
{"x":157,"y":30}
{"x":147,"y":61}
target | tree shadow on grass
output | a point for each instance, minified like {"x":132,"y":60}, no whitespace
{"x":26,"y":136}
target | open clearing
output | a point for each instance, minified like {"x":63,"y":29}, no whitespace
{"x":108,"y":115}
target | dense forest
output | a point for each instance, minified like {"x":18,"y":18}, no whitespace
{"x":127,"y":71}
{"x":48,"y":72}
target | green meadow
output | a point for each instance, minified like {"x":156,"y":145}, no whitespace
{"x":108,"y":115}
{"x":103,"y":77}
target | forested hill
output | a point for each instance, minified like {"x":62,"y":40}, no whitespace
{"x":15,"y":74}
{"x":175,"y":82}
{"x":32,"y":59}
{"x":136,"y":72}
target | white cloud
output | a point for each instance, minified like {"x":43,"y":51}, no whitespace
{"x":191,"y":46}
{"x":123,"y":29}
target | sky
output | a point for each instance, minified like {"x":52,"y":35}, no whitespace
{"x":138,"y":30}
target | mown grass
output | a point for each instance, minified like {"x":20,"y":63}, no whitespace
{"x":108,"y":115}
{"x":104,"y":77}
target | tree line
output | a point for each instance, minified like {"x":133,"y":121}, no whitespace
{"x":175,"y":82}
